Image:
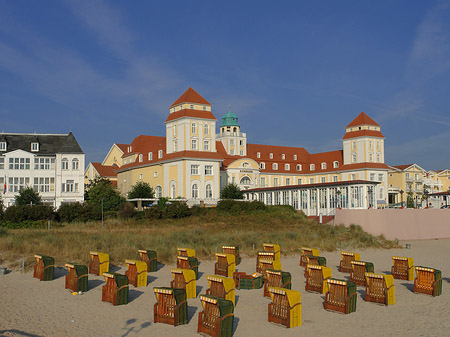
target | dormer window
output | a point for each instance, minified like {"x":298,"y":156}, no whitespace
{"x":2,"y":146}
{"x":34,"y":147}
{"x":287,"y":167}
{"x":141,"y":158}
{"x":160,"y":154}
{"x":335,"y":164}
{"x":295,"y":157}
{"x":262,"y":165}
{"x":299,"y":167}
{"x":312,"y":167}
{"x":192,"y":106}
{"x":150,"y":156}
{"x":283,"y":156}
{"x":271,"y":155}
{"x":204,"y":108}
{"x":258,"y":154}
{"x":274,"y":166}
{"x":324,"y":166}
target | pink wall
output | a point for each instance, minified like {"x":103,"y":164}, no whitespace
{"x":402,"y":224}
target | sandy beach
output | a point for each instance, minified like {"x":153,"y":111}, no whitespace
{"x":33,"y":308}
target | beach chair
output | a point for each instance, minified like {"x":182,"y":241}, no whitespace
{"x":116,"y":289}
{"x":222,"y":287}
{"x":276,"y":279}
{"x":234,"y":250}
{"x":341,"y":296}
{"x":171,"y":306}
{"x":359,"y":270}
{"x":137,"y":273}
{"x":217,"y":317}
{"x":267,"y":256}
{"x":186,"y":252}
{"x":315,"y":261}
{"x":77,"y":279}
{"x":316,"y":278}
{"x":44,"y":267}
{"x":149,"y":257}
{"x":184,"y":279}
{"x":266,"y":264}
{"x":403,"y":268}
{"x":345,"y":266}
{"x":307,"y":251}
{"x":428,"y":281}
{"x":380,"y":288}
{"x":185,"y":262}
{"x":225,"y":265}
{"x":99,"y":263}
{"x":269,"y":247}
{"x":286,"y":307}
{"x":244,"y":281}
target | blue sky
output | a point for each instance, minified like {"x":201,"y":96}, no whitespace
{"x":295,"y":72}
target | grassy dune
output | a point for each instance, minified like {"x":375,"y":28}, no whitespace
{"x":206,"y":233}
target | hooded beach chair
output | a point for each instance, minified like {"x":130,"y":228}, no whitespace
{"x":314,"y":260}
{"x":217,"y":317}
{"x":186,"y":262}
{"x":184,"y":279}
{"x":149,"y":257}
{"x":316,"y":278}
{"x":244,"y":281}
{"x":225,"y":265}
{"x":359,"y":270}
{"x":137,"y":273}
{"x":44,"y":267}
{"x":267,"y":264}
{"x":428,"y":281}
{"x":77,"y":279}
{"x":234,"y":250}
{"x":380,"y":288}
{"x":171,"y":306}
{"x":286,"y":307}
{"x":403,"y":268}
{"x":269,"y":247}
{"x":267,"y":256}
{"x":99,"y":263}
{"x":341,"y":296}
{"x":222,"y":287}
{"x":345,"y":266}
{"x":186,"y":252}
{"x":305,"y":252}
{"x":276,"y":279}
{"x":116,"y":289}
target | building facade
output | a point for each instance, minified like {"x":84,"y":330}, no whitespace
{"x":53,"y":164}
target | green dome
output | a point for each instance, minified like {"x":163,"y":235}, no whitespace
{"x":230,"y":119}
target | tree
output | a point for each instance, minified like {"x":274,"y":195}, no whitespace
{"x":231,"y":191}
{"x":101,"y":191}
{"x":141,"y":190}
{"x":425,"y":194}
{"x":27,"y":196}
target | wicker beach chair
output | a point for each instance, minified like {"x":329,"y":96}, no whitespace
{"x":315,"y":261}
{"x":269,"y":247}
{"x":222,"y":287}
{"x":186,"y":252}
{"x":345,"y":265}
{"x":428,"y":281}
{"x":244,"y":281}
{"x":341,"y":296}
{"x":380,"y":288}
{"x":44,"y":267}
{"x":225,"y":265}
{"x":116,"y":289}
{"x":186,"y":262}
{"x":403,"y":268}
{"x":316,"y":278}
{"x":359,"y":270}
{"x":137,"y":273}
{"x":267,"y":256}
{"x":286,"y":307}
{"x":171,"y":306}
{"x":184,"y":279}
{"x":267,"y":264}
{"x":276,"y":279}
{"x":234,"y":250}
{"x":99,"y":263}
{"x":77,"y":279}
{"x":217,"y":317}
{"x":307,"y":251}
{"x":149,"y":257}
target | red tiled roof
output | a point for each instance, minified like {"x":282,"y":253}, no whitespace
{"x":362,"y":119}
{"x":190,"y":96}
{"x":105,"y":171}
{"x":122,"y":147}
{"x":402,"y":167}
{"x":190,"y":113}
{"x":363,"y":133}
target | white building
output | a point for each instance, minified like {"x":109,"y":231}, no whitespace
{"x":53,"y":164}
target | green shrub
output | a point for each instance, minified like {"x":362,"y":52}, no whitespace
{"x":152,"y":213}
{"x":17,"y":214}
{"x":176,"y":210}
{"x":71,"y":212}
{"x":127,"y":210}
{"x":240,"y":206}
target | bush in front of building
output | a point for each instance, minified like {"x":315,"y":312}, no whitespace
{"x":71,"y":212}
{"x":231,"y":191}
{"x":176,"y":210}
{"x":22,"y":214}
{"x":101,"y":194}
{"x":141,"y":190}
{"x":27,"y":196}
{"x":234,"y":206}
{"x":127,"y":211}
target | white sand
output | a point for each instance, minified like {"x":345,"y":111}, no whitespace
{"x":29,"y":307}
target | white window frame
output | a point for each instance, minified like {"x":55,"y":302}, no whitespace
{"x":271,"y":155}
{"x":208,"y":170}
{"x":194,"y":193}
{"x":75,"y":164}
{"x":194,"y":128}
{"x":3,"y":146}
{"x":299,"y":167}
{"x":206,"y":145}
{"x":335,"y":164}
{"x":65,"y":164}
{"x":258,"y":154}
{"x":160,"y":154}
{"x":208,"y":191}
{"x":34,"y":147}
{"x":287,"y":167}
{"x":323,"y":166}
{"x":194,"y":169}
{"x":150,"y":156}
{"x":193,"y":144}
{"x":262,"y":165}
{"x":312,"y":167}
{"x":206,"y":129}
{"x":274,"y":166}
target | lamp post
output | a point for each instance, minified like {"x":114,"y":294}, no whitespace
{"x":401,"y":193}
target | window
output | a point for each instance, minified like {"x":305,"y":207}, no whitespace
{"x":155,"y":174}
{"x":274,"y":166}
{"x":206,"y":129}
{"x":34,"y":147}
{"x":2,"y":163}
{"x":204,"y":108}
{"x":194,"y":169}
{"x":353,"y":176}
{"x":44,"y":184}
{"x":195,"y":191}
{"x":295,"y":157}
{"x":232,"y":151}
{"x":288,"y":181}
{"x":299,"y":167}
{"x":140,"y":176}
{"x":65,"y":164}
{"x":2,"y":146}
{"x":140,"y":158}
{"x":275,"y":182}
{"x":19,"y":163}
{"x":241,"y":152}
{"x":324,"y":166}
{"x":194,"y":128}
{"x":378,"y":158}
{"x":287,"y":167}
{"x":378,"y":145}
{"x":206,"y":145}
{"x":299,"y":181}
{"x":160,"y":154}
{"x":231,"y":141}
{"x":191,"y":106}
{"x":262,"y":165}
{"x":174,"y":130}
{"x":381,"y":193}
{"x":354,"y":146}
{"x":75,"y":164}
{"x":312,"y":167}
{"x":258,"y":154}
{"x":175,"y":146}
{"x":335,"y":178}
{"x":241,"y":142}
{"x":311,"y":180}
{"x":158,"y":192}
{"x":335,"y":164}
{"x":17,"y":184}
{"x":194,"y":144}
{"x":283,"y":156}
{"x":370,"y":157}
{"x":380,"y":177}
{"x":323,"y":179}
{"x":69,"y":187}
{"x":354,"y":158}
{"x":370,"y":144}
{"x":150,"y":156}
{"x":208,"y":170}
{"x":245,"y":164}
{"x":208,"y":191}
{"x":245,"y":181}
{"x":372,"y":176}
{"x":271,"y":155}
{"x":263,"y":182}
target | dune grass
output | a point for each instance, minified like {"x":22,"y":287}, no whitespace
{"x":206,"y":233}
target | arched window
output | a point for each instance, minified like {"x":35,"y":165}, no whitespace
{"x":245,"y":181}
{"x":274,"y":166}
{"x":312,"y":167}
{"x":174,"y":190}
{"x":206,"y":129}
{"x":299,"y":167}
{"x":65,"y":164}
{"x":150,"y":156}
{"x":194,"y":128}
{"x":335,"y":164}
{"x":141,"y":158}
{"x":324,"y":166}
{"x":160,"y":154}
{"x":195,"y":191}
{"x":208,"y":191}
{"x":158,"y":192}
{"x":75,"y":164}
{"x":262,"y":165}
{"x":287,"y":167}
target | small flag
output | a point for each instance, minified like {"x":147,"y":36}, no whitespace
{"x":4,"y":186}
